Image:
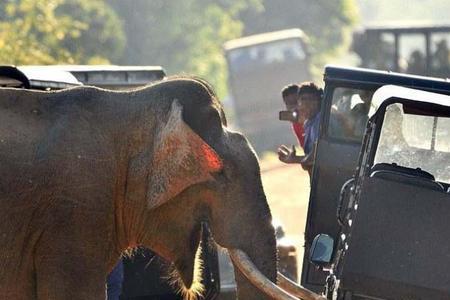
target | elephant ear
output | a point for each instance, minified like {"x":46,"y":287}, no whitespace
{"x":181,"y":159}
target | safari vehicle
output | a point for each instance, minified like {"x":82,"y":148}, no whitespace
{"x":105,"y":76}
{"x":393,"y":214}
{"x":412,"y":48}
{"x":33,"y":78}
{"x":347,"y":101}
{"x":258,"y":68}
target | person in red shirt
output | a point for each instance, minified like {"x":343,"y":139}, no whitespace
{"x":290,"y":98}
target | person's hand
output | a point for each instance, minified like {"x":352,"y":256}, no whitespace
{"x":306,"y":163}
{"x":288,"y":156}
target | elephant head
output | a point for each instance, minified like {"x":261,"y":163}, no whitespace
{"x":200,"y":171}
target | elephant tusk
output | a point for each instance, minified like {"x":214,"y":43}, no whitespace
{"x":246,"y":266}
{"x":297,"y":290}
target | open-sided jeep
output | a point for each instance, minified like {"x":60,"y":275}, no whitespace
{"x":345,"y":109}
{"x":394,"y":238}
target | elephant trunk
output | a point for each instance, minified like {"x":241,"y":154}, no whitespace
{"x":261,"y":250}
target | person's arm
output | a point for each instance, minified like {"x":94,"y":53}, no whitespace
{"x":289,"y":156}
{"x":308,"y":160}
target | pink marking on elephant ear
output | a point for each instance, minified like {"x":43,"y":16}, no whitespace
{"x":182,"y":158}
{"x":213,"y":163}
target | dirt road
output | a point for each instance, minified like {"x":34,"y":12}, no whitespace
{"x":287,"y":190}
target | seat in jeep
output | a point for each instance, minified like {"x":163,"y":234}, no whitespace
{"x":406,"y":175}
{"x":399,"y":240}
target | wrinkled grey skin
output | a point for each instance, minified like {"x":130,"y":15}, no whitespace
{"x":86,"y":174}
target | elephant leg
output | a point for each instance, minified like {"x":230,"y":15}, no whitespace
{"x":70,"y":277}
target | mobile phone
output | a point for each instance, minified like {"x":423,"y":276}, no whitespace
{"x":287,"y":115}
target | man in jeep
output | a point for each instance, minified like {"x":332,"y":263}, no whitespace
{"x":310,"y":96}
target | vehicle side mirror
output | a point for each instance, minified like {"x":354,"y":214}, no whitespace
{"x":321,"y":251}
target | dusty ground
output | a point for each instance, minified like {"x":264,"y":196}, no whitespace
{"x":287,"y":190}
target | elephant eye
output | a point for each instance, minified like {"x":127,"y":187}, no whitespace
{"x":212,"y":125}
{"x":214,"y":118}
{"x":221,"y":174}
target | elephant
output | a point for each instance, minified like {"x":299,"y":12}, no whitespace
{"x":88,"y":174}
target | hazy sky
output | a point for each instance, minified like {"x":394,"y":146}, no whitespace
{"x":411,"y":11}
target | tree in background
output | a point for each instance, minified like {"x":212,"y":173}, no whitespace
{"x":31,"y":33}
{"x":327,"y":23}
{"x":104,"y":39}
{"x":58,"y":32}
{"x":182,"y":36}
{"x":187,"y":36}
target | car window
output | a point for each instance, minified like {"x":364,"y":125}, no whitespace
{"x":349,"y":114}
{"x":440,"y":54}
{"x":413,"y":54}
{"x":415,"y":141}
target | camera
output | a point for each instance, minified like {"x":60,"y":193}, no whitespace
{"x":287,"y":115}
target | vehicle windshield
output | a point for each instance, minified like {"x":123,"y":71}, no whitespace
{"x":282,"y":51}
{"x":415,"y":141}
{"x":274,"y":62}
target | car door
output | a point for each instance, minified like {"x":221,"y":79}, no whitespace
{"x":345,"y":109}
